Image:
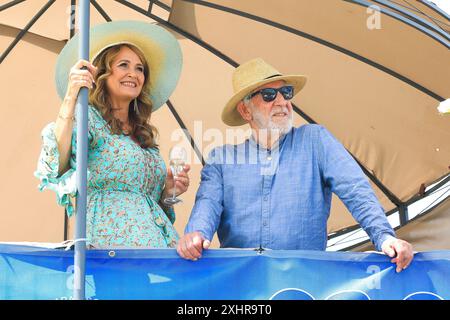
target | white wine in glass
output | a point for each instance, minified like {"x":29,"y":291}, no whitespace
{"x":177,"y":160}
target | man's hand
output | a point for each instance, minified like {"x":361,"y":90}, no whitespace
{"x":191,"y":245}
{"x":400,"y":250}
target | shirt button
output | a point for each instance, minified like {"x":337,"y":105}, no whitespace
{"x":265,"y":198}
{"x":269,"y":158}
{"x":264,"y":223}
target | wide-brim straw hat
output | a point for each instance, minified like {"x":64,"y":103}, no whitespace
{"x":249,"y":76}
{"x":160,"y":48}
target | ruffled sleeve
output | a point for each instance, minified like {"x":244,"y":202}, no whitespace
{"x":47,"y":171}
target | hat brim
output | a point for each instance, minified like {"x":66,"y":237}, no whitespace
{"x":230,"y":115}
{"x":160,"y":48}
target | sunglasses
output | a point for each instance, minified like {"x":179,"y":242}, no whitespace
{"x":269,"y":94}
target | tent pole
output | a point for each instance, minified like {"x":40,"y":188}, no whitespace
{"x":403,"y":214}
{"x":81,"y":156}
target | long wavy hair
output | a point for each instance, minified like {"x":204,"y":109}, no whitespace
{"x":142,"y":131}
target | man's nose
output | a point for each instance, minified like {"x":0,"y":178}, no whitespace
{"x":279,"y":99}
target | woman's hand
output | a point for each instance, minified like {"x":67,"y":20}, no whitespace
{"x":64,"y":122}
{"x":79,"y":78}
{"x":181,"y":182}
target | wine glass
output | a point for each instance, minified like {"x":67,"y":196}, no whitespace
{"x":177,"y":160}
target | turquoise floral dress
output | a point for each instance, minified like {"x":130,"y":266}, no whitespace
{"x":125,"y":183}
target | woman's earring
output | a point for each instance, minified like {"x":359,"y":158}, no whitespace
{"x":136,"y":107}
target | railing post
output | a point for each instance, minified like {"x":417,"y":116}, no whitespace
{"x":81,"y":157}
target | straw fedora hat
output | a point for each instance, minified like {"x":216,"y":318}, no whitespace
{"x":249,"y":76}
{"x":160,"y":48}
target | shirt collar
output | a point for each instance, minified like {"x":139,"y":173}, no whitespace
{"x":252,"y":142}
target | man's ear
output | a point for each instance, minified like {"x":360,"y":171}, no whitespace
{"x":244,"y":111}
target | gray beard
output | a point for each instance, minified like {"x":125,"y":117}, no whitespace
{"x":271,"y":126}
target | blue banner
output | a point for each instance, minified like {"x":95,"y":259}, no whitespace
{"x":39,"y":273}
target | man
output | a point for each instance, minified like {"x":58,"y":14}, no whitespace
{"x":274,"y":190}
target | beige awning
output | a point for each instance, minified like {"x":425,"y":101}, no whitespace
{"x":426,"y":232}
{"x":429,"y":15}
{"x":375,"y":90}
{"x":381,"y":107}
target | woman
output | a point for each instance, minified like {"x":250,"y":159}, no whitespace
{"x":127,"y":178}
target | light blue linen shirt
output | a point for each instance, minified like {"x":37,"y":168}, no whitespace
{"x":280,"y":198}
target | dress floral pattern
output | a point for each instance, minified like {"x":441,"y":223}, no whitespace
{"x":125,"y":183}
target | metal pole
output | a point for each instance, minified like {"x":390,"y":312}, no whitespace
{"x":403,"y":214}
{"x":81,"y":156}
